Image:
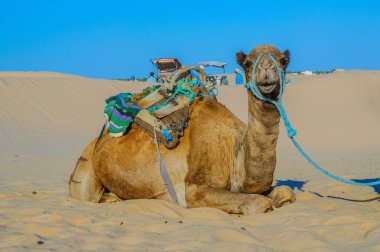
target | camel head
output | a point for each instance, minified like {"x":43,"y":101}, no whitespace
{"x":266,"y":75}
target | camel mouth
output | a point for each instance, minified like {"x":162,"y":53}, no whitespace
{"x":267,"y":87}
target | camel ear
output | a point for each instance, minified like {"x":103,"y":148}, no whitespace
{"x":285,"y":57}
{"x":240,"y":58}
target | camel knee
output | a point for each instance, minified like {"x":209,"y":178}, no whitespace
{"x":83,"y":184}
{"x":193,"y":195}
{"x":201,"y":196}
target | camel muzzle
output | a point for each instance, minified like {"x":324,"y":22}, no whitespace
{"x":267,"y":80}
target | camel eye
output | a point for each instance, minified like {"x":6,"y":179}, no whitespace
{"x":283,"y":61}
{"x":248,"y":63}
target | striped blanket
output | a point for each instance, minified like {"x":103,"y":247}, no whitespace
{"x":122,"y":108}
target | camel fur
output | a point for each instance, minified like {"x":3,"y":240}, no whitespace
{"x":220,"y":162}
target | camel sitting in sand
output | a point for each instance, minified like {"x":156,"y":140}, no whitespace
{"x":220,"y":162}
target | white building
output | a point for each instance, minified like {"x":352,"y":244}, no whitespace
{"x":307,"y":73}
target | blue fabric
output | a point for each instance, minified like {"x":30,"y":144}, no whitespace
{"x":167,"y":135}
{"x":239,"y":79}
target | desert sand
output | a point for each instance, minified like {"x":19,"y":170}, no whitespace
{"x":46,"y":120}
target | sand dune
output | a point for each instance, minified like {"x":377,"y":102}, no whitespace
{"x":46,"y":119}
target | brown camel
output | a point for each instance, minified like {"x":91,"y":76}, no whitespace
{"x":220,"y":162}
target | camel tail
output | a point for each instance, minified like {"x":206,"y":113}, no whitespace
{"x":84,"y":185}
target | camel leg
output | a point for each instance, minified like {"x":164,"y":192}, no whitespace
{"x":281,"y":195}
{"x":235,"y":203}
{"x":210,"y":164}
{"x":84,"y":185}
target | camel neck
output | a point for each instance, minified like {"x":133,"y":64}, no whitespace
{"x":263,"y":117}
{"x":260,"y":144}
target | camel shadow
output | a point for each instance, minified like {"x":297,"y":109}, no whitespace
{"x":293,"y":184}
{"x":376,"y":188}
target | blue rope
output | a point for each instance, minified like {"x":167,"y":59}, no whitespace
{"x":311,"y":161}
{"x":179,"y":90}
{"x":212,"y":92}
{"x":291,"y":132}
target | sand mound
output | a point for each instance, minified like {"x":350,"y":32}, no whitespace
{"x":46,"y":119}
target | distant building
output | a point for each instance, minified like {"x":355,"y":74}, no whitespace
{"x":307,"y":73}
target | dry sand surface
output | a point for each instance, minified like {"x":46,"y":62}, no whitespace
{"x":46,"y":120}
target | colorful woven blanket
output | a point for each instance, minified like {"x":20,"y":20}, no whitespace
{"x":122,"y":108}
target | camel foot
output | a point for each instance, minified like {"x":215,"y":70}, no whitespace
{"x":109,"y":198}
{"x":256,"y":204}
{"x":281,"y":195}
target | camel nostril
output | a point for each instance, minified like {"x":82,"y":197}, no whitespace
{"x":266,"y":63}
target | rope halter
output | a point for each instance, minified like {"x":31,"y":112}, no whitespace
{"x":277,"y":102}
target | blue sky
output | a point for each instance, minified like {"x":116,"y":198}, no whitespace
{"x":115,"y":39}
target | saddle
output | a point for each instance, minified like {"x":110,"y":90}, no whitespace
{"x":166,"y":110}
{"x":158,"y":110}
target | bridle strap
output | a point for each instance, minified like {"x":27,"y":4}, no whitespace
{"x":278,"y":103}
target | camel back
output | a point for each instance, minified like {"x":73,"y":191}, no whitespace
{"x":164,"y":108}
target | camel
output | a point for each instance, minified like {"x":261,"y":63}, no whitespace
{"x":220,"y":162}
